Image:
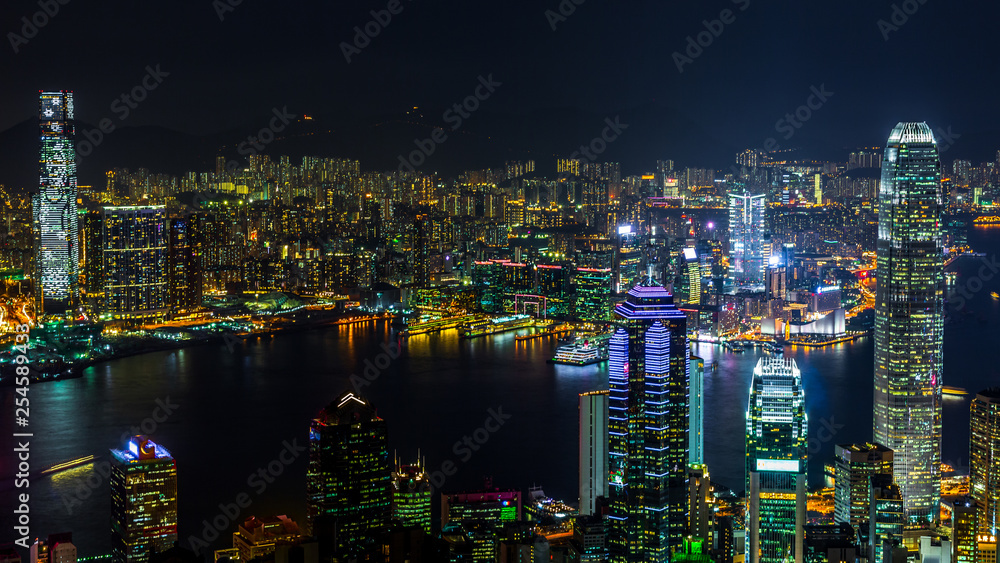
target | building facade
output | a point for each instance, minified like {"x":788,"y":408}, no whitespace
{"x":57,"y":245}
{"x":593,"y":449}
{"x":854,"y":466}
{"x":348,"y":488}
{"x":143,"y":501}
{"x":746,"y":239}
{"x":984,"y":455}
{"x":647,"y":426}
{"x":909,"y":318}
{"x":411,"y":496}
{"x":135,"y":261}
{"x":776,"y":463}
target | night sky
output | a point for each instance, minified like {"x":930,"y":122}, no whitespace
{"x":603,"y":59}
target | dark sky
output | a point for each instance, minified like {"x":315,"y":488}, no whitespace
{"x":941,"y":65}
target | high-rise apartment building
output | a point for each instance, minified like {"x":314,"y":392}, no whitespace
{"x":57,"y":247}
{"x":909,"y":318}
{"x":348,"y":480}
{"x":984,"y":457}
{"x":647,"y":426}
{"x":776,"y":435}
{"x":135,"y":261}
{"x":143,"y":501}
{"x":696,"y":408}
{"x":593,"y":449}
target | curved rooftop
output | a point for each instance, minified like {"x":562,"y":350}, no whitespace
{"x":911,"y":132}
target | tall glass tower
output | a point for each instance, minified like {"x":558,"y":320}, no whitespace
{"x":909,"y":318}
{"x":348,"y":482}
{"x":57,"y":249}
{"x":984,"y":459}
{"x":647,"y":426}
{"x":746,"y":238}
{"x":776,"y":463}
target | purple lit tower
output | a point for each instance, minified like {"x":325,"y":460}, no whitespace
{"x":647,"y":426}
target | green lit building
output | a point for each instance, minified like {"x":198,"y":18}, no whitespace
{"x":909,"y":318}
{"x":964,"y":522}
{"x":411,"y":496}
{"x":348,"y":480}
{"x":885,"y":519}
{"x":143,"y":501}
{"x":776,"y":463}
{"x":593,"y":294}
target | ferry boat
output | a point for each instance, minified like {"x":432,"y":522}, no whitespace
{"x":995,"y":296}
{"x":485,"y":326}
{"x":580,"y":353}
{"x":954,"y":391}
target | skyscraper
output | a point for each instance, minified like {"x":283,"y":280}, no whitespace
{"x":746,"y":238}
{"x":696,"y":402}
{"x":135,"y":260}
{"x":909,"y":318}
{"x":885,"y":519}
{"x":348,"y":480}
{"x":593,"y":449}
{"x":411,"y":496}
{"x":143,"y":500}
{"x":776,"y":463}
{"x":984,"y":457}
{"x":57,"y":249}
{"x":855,"y":466}
{"x":647,"y":426}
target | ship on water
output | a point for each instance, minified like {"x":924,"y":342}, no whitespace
{"x":583,"y":351}
{"x":487,"y":325}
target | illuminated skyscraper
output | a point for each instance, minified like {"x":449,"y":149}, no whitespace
{"x":746,"y":238}
{"x":909,"y":318}
{"x":411,"y":496}
{"x":143,"y":501}
{"x":593,"y":449}
{"x":348,"y":481}
{"x":696,"y":426}
{"x":57,"y":249}
{"x":135,"y":260}
{"x":856,"y":464}
{"x":647,"y":426}
{"x":984,"y":454}
{"x":776,"y":463}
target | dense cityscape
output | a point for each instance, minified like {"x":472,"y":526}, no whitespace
{"x":297,"y":355}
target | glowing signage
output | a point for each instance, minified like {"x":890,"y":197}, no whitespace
{"x":625,"y":229}
{"x":134,"y":448}
{"x":786,"y":465}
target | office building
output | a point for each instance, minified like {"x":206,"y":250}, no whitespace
{"x":590,"y":539}
{"x":696,"y":406}
{"x":984,"y":457}
{"x":964,"y":522}
{"x":909,"y":318}
{"x":57,"y":246}
{"x":593,"y":449}
{"x":986,"y":548}
{"x":143,"y":501}
{"x":647,"y":426}
{"x":701,"y":503}
{"x":135,"y":261}
{"x":885,"y":519}
{"x":776,"y":434}
{"x":348,"y":490}
{"x":935,"y":550}
{"x":411,"y":496}
{"x":494,"y":506}
{"x":746,"y":239}
{"x":854,"y":467}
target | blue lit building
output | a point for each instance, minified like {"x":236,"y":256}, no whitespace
{"x":647,"y":427}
